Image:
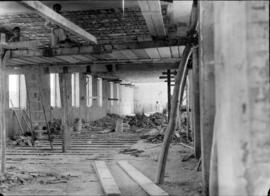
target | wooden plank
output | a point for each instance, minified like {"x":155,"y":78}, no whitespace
{"x":175,"y":52}
{"x":140,"y":53}
{"x":47,"y":12}
{"x":81,"y":58}
{"x":153,"y":53}
{"x":118,"y":55}
{"x":69,"y":59}
{"x":3,"y":106}
{"x":164,"y":52}
{"x":181,"y":50}
{"x":147,"y":185}
{"x":106,"y":179}
{"x":129,"y":54}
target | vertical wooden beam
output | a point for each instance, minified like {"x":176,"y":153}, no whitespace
{"x":207,"y":86}
{"x":3,"y":105}
{"x":169,"y":92}
{"x":196,"y":103}
{"x":177,"y":94}
{"x":188,"y":104}
{"x":63,"y":77}
{"x":190,"y":97}
{"x":243,"y":99}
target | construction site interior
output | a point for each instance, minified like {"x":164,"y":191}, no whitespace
{"x":134,"y":98}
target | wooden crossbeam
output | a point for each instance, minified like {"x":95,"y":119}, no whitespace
{"x":48,"y":13}
{"x":99,"y":48}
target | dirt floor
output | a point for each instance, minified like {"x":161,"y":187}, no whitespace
{"x":37,"y":171}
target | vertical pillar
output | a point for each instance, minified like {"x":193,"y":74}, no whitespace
{"x":83,"y":108}
{"x":64,"y":79}
{"x":169,"y":92}
{"x":190,"y":104}
{"x":196,"y":103}
{"x":207,"y":86}
{"x":243,"y":98}
{"x":3,"y":106}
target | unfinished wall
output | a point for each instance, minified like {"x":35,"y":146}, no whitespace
{"x":147,"y":94}
{"x":242,"y":122}
{"x":126,"y":105}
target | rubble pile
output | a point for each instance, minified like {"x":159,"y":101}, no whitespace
{"x":142,"y":121}
{"x":20,"y":141}
{"x":105,"y":122}
{"x":158,"y":138}
{"x":14,"y":177}
{"x":55,"y":126}
{"x":132,"y":152}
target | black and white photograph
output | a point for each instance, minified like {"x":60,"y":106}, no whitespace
{"x":134,"y":98}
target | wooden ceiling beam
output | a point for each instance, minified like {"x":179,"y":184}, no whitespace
{"x":152,"y":13}
{"x":134,"y":66}
{"x":99,"y":48}
{"x":46,"y":12}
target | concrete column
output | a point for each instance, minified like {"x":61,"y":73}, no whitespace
{"x":207,"y":86}
{"x":196,"y":103}
{"x":243,"y":98}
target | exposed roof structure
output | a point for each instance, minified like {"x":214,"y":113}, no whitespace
{"x":123,"y":36}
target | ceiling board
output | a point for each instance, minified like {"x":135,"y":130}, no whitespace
{"x":165,"y":52}
{"x":129,"y":54}
{"x":175,"y":53}
{"x":152,"y":53}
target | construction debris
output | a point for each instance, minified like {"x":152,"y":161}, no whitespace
{"x":55,"y":126}
{"x":108,"y":121}
{"x":142,"y":121}
{"x":20,"y":141}
{"x":16,"y":177}
{"x":132,"y":152}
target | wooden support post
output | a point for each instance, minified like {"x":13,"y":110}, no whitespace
{"x":187,"y":107}
{"x":190,"y":108}
{"x":196,"y":103}
{"x":169,"y":92}
{"x":242,"y":124}
{"x":178,"y":92}
{"x":3,"y":105}
{"x":65,"y":105}
{"x":207,"y":87}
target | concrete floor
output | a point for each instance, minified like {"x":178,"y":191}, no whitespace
{"x":181,"y":177}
